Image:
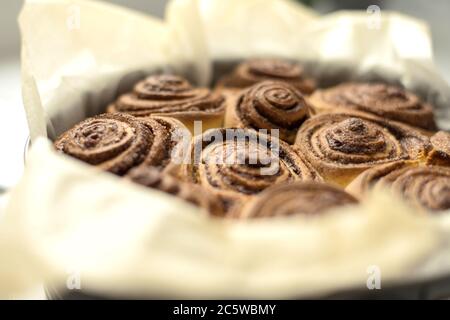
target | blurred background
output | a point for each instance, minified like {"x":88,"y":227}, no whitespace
{"x":13,"y":127}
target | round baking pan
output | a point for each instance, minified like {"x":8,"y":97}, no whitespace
{"x":436,"y":288}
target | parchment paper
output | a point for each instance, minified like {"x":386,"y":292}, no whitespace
{"x":81,"y":54}
{"x":124,"y":239}
{"x":94,"y":230}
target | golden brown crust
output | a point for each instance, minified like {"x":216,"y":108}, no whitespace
{"x":171,"y":96}
{"x":383,"y":100}
{"x":428,"y":187}
{"x":117,"y":142}
{"x":296,"y":198}
{"x":342,"y":145}
{"x":369,"y":178}
{"x":269,"y":105}
{"x":153,"y":178}
{"x":424,"y":186}
{"x":440,"y":154}
{"x":169,"y":141}
{"x":253,"y":71}
{"x":239,"y":163}
{"x":113,"y":142}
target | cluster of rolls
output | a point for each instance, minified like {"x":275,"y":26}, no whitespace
{"x":272,"y":143}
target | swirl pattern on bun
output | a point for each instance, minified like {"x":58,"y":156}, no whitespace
{"x":253,"y":71}
{"x":296,"y":198}
{"x":239,"y":163}
{"x":371,"y":177}
{"x":424,"y":186}
{"x":172,"y":96}
{"x":117,"y":142}
{"x":388,"y":101}
{"x":342,"y":145}
{"x":270,"y":105}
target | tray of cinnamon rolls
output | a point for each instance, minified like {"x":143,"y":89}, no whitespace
{"x":254,"y":170}
{"x":337,"y":143}
{"x":216,"y":147}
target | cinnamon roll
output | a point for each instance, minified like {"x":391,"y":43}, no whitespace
{"x":422,"y":185}
{"x":269,"y":105}
{"x":369,"y":178}
{"x":170,"y":141}
{"x":236,"y":164}
{"x":172,"y":96}
{"x":342,"y":145}
{"x":153,"y":178}
{"x":383,"y":100}
{"x":117,"y":142}
{"x":296,"y":198}
{"x":253,"y":71}
{"x":440,"y":154}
